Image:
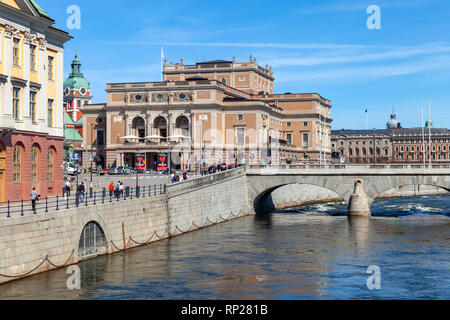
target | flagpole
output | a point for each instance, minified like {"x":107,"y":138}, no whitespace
{"x":367,"y":118}
{"x":423,"y":139}
{"x":162,"y":70}
{"x":429,"y":131}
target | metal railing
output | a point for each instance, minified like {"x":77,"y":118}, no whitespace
{"x":76,"y":199}
{"x":352,"y":166}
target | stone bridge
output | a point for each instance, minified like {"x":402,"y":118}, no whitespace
{"x":372,"y":180}
{"x":35,"y":243}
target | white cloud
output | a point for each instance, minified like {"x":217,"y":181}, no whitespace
{"x":376,"y":54}
{"x":346,"y":6}
{"x":367,"y":72}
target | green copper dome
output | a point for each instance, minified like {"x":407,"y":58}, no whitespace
{"x":76,"y":79}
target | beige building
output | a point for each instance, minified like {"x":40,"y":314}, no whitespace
{"x":216,"y":111}
{"x":362,"y":146}
{"x":392,"y":145}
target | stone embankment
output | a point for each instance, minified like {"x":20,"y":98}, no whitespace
{"x":32,"y":244}
{"x":295,"y":195}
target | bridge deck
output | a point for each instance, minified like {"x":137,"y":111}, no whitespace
{"x":349,"y":170}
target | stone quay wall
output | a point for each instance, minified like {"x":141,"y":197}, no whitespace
{"x":37,"y":243}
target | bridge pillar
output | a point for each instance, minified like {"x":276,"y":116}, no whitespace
{"x":359,"y":204}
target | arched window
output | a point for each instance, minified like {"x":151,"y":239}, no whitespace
{"x":34,"y":164}
{"x":182,"y":125}
{"x":50,"y":165}
{"x":139,"y":127}
{"x":17,"y":169}
{"x":161,"y":125}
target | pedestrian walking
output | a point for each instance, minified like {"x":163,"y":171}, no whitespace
{"x":111,"y":189}
{"x":67,"y":187}
{"x":34,"y":197}
{"x":202,"y":170}
{"x":121,"y":188}
{"x":185,"y":176}
{"x":117,"y":190}
{"x":81,"y":191}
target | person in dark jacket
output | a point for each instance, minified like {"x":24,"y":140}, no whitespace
{"x":81,"y":190}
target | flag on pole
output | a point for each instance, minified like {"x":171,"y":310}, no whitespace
{"x":367,"y":117}
{"x":162,"y":68}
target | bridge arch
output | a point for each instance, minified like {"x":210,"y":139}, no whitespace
{"x":376,"y":185}
{"x":91,"y":222}
{"x":260,"y":187}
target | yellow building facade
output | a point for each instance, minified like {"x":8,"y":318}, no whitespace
{"x":31,"y":100}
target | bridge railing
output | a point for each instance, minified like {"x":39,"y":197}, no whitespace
{"x":350,"y":166}
{"x":76,"y":199}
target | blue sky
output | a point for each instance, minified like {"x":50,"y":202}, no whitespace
{"x":314,"y":46}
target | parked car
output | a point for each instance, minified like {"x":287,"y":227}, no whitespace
{"x":71,"y":169}
{"x":113,"y":171}
{"x":120,"y":170}
{"x":127,"y":170}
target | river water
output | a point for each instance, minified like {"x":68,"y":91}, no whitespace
{"x":309,"y":252}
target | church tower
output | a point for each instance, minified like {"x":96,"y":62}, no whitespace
{"x":77,"y":91}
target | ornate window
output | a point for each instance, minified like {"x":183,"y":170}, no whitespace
{"x":305,"y":142}
{"x":33,"y":58}
{"x":50,"y":67}
{"x":33,"y":106}
{"x":17,"y":169}
{"x":240,"y":136}
{"x":50,"y":164}
{"x":50,"y":113}
{"x":16,"y":51}
{"x":16,"y":103}
{"x":289,"y":138}
{"x":34,"y":164}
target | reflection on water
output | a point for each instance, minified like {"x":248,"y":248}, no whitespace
{"x":295,"y":254}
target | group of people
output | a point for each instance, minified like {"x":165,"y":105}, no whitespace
{"x":175,"y":177}
{"x":81,"y":190}
{"x":116,"y":189}
{"x":204,"y":169}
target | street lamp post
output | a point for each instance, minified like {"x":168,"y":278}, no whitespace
{"x":202,"y":118}
{"x":168,"y":159}
{"x":374,"y":146}
{"x":92,"y":135}
{"x":87,"y":161}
